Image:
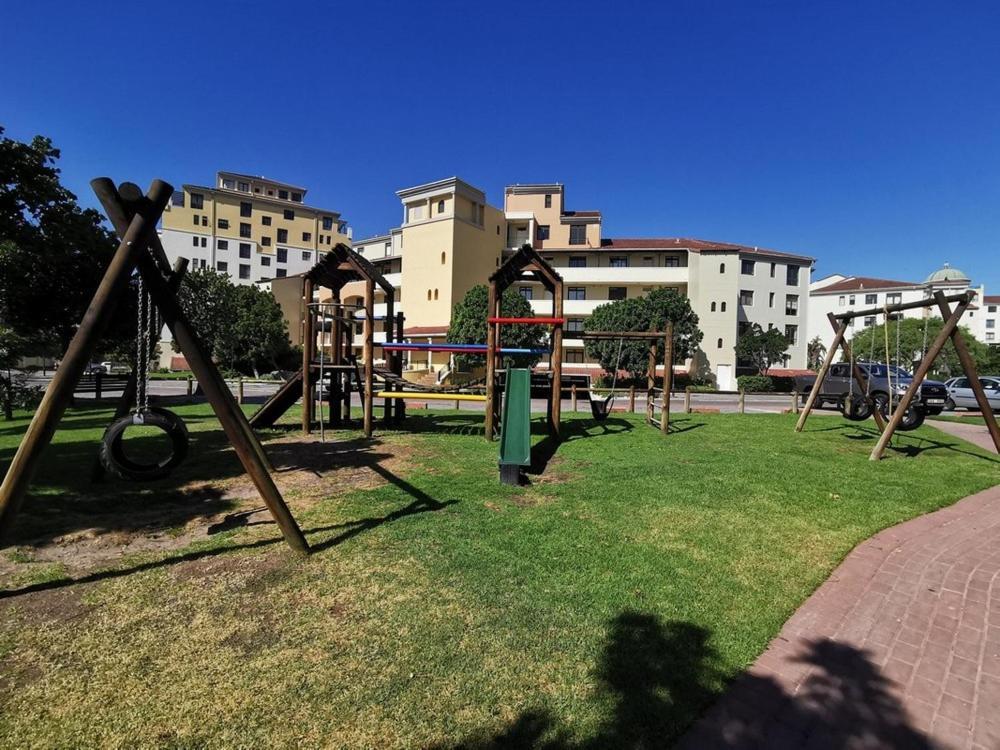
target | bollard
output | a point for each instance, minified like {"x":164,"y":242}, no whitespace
{"x":795,"y":402}
{"x":572,"y":392}
{"x":239,"y":391}
{"x":457,"y":405}
{"x":190,"y":386}
{"x":687,"y":399}
{"x":631,"y":399}
{"x":98,"y":377}
{"x":743,"y":401}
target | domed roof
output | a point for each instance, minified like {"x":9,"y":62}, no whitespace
{"x":947,"y":273}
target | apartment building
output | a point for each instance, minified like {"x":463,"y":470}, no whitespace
{"x":451,"y":239}
{"x":838,"y":294}
{"x":248,"y":227}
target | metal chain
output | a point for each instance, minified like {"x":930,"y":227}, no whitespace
{"x":141,"y":342}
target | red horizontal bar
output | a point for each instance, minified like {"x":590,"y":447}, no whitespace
{"x":538,"y":321}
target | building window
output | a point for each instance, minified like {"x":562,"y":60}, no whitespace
{"x":282,"y":235}
{"x":246,"y":208}
{"x":578,"y":261}
{"x":265,"y":241}
{"x":204,"y":221}
{"x":770,"y":299}
{"x":713,"y":307}
{"x":223,"y":223}
{"x":548,"y":200}
{"x":204,"y":241}
{"x":991,"y":323}
{"x":197,"y":200}
{"x":197,"y":219}
{"x":243,"y":187}
{"x":851,"y":300}
{"x":525,"y":292}
{"x":443,"y":256}
{"x":265,"y":221}
{"x":842,"y":300}
{"x":440,"y":207}
{"x":792,"y":334}
{"x":327,"y":223}
{"x":617,"y":292}
{"x":991,"y":309}
{"x":245,"y":230}
{"x":289,"y":214}
{"x":244,"y":249}
{"x":574,"y":356}
{"x":792,"y":275}
{"x":671,"y":261}
{"x":719,"y":344}
{"x":177,"y":199}
{"x":746,"y":297}
{"x":428,"y":295}
{"x":244,"y":271}
{"x":722,"y":268}
{"x":265,"y":260}
{"x":221,"y":266}
{"x":307,"y":236}
{"x":280,"y":273}
{"x":222,"y":244}
{"x":306,"y":255}
{"x":791,"y":304}
{"x":618,"y":262}
{"x":542,"y":232}
{"x":228,"y":183}
{"x":871,"y":299}
{"x":773,"y":267}
{"x":869,"y":321}
{"x":574,"y":325}
{"x":283,"y":194}
{"x":194,"y":242}
{"x":722,"y":307}
{"x":990,"y":335}
{"x":576,"y":292}
{"x":747,"y":267}
{"x":282,"y":255}
{"x":894,"y":298}
{"x":578,"y":234}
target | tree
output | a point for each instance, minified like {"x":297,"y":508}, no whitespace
{"x":468,"y":326}
{"x":52,"y":253}
{"x":870,"y":343}
{"x":763,"y":349}
{"x":647,"y":313}
{"x":815,"y":352}
{"x":242,"y":326}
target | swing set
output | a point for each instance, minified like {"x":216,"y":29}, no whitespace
{"x":895,"y":415}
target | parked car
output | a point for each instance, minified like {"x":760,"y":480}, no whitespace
{"x":838,"y":384}
{"x":960,"y":395}
{"x":96,"y":368}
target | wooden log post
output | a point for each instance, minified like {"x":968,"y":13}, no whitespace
{"x":860,"y":379}
{"x":556,"y":358}
{"x":134,"y":239}
{"x":572,"y":397}
{"x":120,"y":205}
{"x":687,"y":399}
{"x":369,"y":355}
{"x":969,"y":367}
{"x":840,"y":330}
{"x":795,"y":401}
{"x":668,"y":376}
{"x":918,"y":377}
{"x":308,"y":354}
{"x":397,"y":368}
{"x":631,"y":399}
{"x":742,"y":402}
{"x":190,"y":387}
{"x":239,"y":392}
{"x":492,"y":310}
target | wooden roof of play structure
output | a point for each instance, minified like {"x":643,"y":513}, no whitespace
{"x":525,"y":265}
{"x":341,"y":265}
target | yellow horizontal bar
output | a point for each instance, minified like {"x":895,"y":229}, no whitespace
{"x":417,"y":396}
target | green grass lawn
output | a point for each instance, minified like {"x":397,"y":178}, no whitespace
{"x":605,"y":605}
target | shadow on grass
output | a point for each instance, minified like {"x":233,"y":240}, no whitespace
{"x":422,"y":503}
{"x":658,"y":677}
{"x":912,"y":445}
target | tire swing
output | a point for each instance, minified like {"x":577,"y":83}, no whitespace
{"x":914,"y":415}
{"x":112,"y":452}
{"x":857,"y":407}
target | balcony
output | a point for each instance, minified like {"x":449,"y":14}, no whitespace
{"x":629,"y":275}
{"x":572,"y":307}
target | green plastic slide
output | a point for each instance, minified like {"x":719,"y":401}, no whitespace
{"x":515,"y":425}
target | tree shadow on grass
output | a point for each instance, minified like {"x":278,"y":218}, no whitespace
{"x":658,"y":677}
{"x":912,"y":445}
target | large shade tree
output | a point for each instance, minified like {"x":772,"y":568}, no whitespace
{"x":647,"y":313}
{"x":52,"y":252}
{"x":762,"y":349}
{"x":468,"y":326}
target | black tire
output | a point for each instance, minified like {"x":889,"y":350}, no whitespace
{"x":854,"y":407}
{"x":117,"y":463}
{"x":913,"y":418}
{"x":949,"y":405}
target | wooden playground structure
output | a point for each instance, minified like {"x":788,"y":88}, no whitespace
{"x":949,"y":331}
{"x":134,"y":217}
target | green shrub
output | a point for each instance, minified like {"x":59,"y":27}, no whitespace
{"x":755,"y":383}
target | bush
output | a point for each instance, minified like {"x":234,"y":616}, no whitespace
{"x":755,"y":383}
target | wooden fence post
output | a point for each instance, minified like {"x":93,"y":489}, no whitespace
{"x":687,"y":399}
{"x":743,"y":401}
{"x":572,"y":392}
{"x":631,"y":399}
{"x":98,"y":377}
{"x":795,"y":402}
{"x":239,"y":391}
{"x":190,"y":386}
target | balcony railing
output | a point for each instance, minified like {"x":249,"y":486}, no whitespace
{"x":624,"y":275}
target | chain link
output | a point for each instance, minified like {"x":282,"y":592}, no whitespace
{"x":142,"y":349}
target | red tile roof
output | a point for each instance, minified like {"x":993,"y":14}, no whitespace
{"x":991,"y":299}
{"x":689,"y":243}
{"x":425,"y":331}
{"x":857,"y":283}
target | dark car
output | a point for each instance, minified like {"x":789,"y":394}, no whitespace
{"x":884,"y":381}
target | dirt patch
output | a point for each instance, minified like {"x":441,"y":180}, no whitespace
{"x":54,"y":606}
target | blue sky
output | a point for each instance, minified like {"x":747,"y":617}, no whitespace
{"x":864,"y":134}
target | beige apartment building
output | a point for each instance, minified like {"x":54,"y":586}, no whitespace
{"x":451,"y":239}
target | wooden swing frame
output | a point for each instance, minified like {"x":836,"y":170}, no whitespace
{"x":134,"y":217}
{"x":949,"y":331}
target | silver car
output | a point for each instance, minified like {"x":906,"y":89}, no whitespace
{"x":960,"y":395}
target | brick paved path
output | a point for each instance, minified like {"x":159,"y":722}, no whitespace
{"x":900,"y":648}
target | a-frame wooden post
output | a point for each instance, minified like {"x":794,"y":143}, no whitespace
{"x":824,"y":370}
{"x":969,"y":367}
